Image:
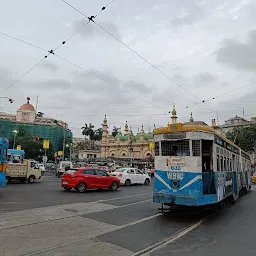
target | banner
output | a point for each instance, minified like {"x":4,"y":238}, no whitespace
{"x":46,"y":144}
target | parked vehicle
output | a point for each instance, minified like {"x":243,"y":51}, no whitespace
{"x":82,"y":179}
{"x":4,"y":143}
{"x":28,"y":171}
{"x":41,"y":167}
{"x":130,"y":176}
{"x":63,"y":166}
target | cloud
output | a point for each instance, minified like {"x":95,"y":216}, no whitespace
{"x":48,"y":65}
{"x":190,"y":13}
{"x":239,"y":55}
{"x":205,"y":78}
{"x":91,"y":30}
{"x":137,"y":87}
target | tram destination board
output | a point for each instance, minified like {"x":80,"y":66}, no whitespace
{"x":174,"y":136}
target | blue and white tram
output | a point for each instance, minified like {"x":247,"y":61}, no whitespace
{"x":195,"y":166}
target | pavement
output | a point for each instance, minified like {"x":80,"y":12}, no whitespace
{"x":43,"y":219}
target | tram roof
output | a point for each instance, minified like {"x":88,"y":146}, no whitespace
{"x":191,"y":126}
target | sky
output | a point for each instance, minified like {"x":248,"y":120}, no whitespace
{"x":200,"y":50}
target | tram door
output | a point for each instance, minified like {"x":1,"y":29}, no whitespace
{"x":207,"y":167}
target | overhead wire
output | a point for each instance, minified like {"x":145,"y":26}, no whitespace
{"x":139,"y":55}
{"x":48,"y":51}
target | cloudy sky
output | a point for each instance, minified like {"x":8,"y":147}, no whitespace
{"x":206,"y":47}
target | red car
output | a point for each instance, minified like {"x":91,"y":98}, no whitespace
{"x":88,"y":178}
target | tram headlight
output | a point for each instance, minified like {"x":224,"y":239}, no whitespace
{"x":175,"y":183}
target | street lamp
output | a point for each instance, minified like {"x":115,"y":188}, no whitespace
{"x":14,"y":140}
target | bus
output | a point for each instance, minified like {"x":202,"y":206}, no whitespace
{"x":15,"y":156}
{"x":195,"y":165}
{"x":4,"y":144}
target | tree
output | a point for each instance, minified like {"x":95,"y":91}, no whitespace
{"x":33,"y":148}
{"x":114,"y":131}
{"x":87,"y":130}
{"x":244,"y":137}
{"x":97,"y":134}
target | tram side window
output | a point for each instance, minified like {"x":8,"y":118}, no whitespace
{"x":224,"y":165}
{"x":218,"y":163}
{"x":221,"y":163}
{"x":156,"y":148}
{"x":196,"y":147}
{"x":175,"y":148}
{"x":230,"y":165}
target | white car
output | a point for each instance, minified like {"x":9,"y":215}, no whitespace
{"x":41,"y":167}
{"x":130,"y":176}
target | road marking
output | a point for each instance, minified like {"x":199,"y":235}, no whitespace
{"x":70,"y":216}
{"x":105,"y":200}
{"x":83,"y":239}
{"x":169,"y":240}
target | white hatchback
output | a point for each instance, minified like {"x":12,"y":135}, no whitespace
{"x":130,"y":176}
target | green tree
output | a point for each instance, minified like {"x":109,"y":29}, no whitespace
{"x":97,"y":134}
{"x":244,"y":137}
{"x":33,"y":148}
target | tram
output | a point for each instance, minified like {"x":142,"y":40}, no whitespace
{"x":4,"y":143}
{"x":195,"y":165}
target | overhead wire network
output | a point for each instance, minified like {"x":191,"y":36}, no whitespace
{"x":139,"y":55}
{"x":49,"y":52}
{"x":92,"y":19}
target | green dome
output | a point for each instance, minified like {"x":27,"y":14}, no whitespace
{"x":123,"y":137}
{"x":148,"y":136}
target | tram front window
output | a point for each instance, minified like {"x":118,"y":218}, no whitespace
{"x":175,"y":148}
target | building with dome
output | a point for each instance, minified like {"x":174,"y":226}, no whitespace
{"x":125,"y":144}
{"x":36,"y":124}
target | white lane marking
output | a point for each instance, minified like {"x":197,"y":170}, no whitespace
{"x":116,"y":198}
{"x":72,"y":215}
{"x":161,"y":244}
{"x":83,"y":239}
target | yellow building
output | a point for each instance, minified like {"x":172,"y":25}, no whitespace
{"x":126,"y":144}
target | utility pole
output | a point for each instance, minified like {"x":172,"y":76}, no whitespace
{"x":36,"y":102}
{"x":64,"y":144}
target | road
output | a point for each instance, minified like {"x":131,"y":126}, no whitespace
{"x":42,"y":219}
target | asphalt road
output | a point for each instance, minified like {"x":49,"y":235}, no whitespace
{"x":42,"y":219}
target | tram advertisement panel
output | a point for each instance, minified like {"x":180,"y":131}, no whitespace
{"x":229,"y":183}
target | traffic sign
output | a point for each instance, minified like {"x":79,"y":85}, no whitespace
{"x":46,"y":144}
{"x":60,"y":153}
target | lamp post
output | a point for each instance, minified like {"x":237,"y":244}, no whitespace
{"x":14,"y":140}
{"x":70,"y":151}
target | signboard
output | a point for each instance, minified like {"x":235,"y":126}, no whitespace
{"x":60,"y":153}
{"x":18,"y":147}
{"x":175,"y":163}
{"x":151,"y":145}
{"x":177,"y":136}
{"x":46,"y":144}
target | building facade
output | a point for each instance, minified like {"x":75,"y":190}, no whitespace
{"x":234,"y":122}
{"x":85,"y":154}
{"x":126,"y":145}
{"x":37,"y":125}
